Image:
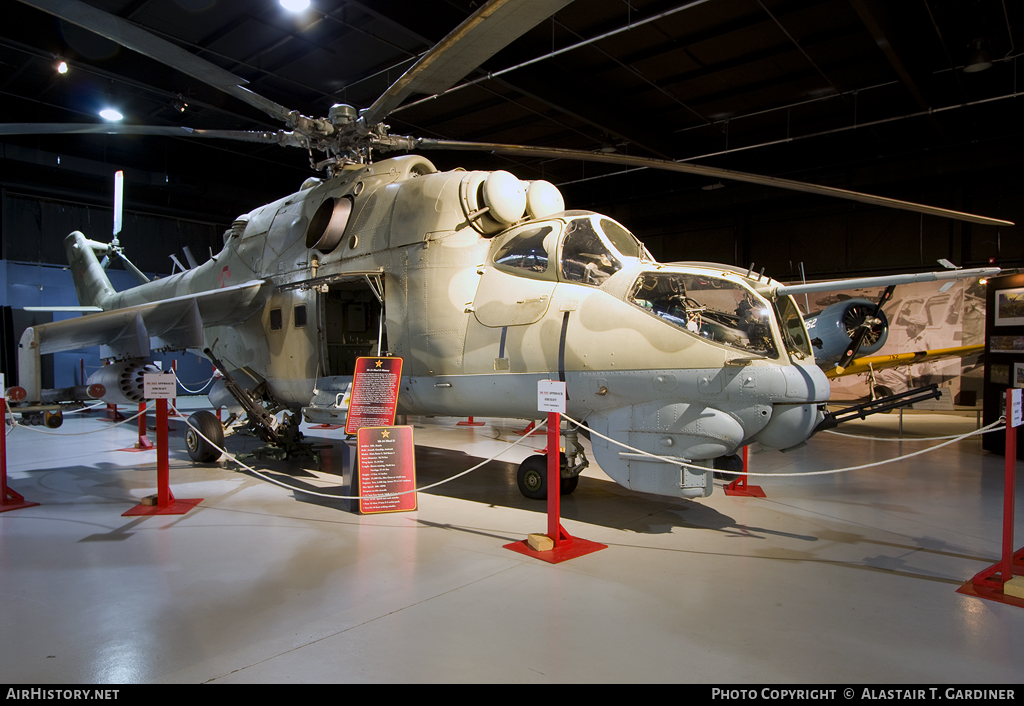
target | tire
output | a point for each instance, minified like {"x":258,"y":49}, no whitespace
{"x":532,"y":478}
{"x":199,"y":449}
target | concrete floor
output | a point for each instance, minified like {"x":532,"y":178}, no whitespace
{"x":847,"y":578}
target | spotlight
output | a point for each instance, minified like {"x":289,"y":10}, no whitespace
{"x":110,"y":114}
{"x":979,"y":57}
{"x":294,"y":5}
{"x":62,"y":67}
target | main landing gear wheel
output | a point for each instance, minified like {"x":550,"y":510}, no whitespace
{"x":199,"y":449}
{"x":532,"y":478}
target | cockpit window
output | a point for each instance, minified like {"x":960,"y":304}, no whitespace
{"x":525,"y":253}
{"x":716,"y":309}
{"x":794,"y":334}
{"x":585,"y":257}
{"x":621,"y":239}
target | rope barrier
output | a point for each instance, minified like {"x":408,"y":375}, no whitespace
{"x":379,"y":496}
{"x":675,"y":461}
{"x":678,"y":462}
{"x":14,"y":423}
{"x":196,"y":392}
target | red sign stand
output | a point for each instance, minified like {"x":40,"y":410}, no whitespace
{"x":374,"y":399}
{"x":387,"y":468}
{"x":9,"y":499}
{"x":991,"y":583}
{"x":740,"y":487}
{"x":565,"y":545}
{"x":166,"y":503}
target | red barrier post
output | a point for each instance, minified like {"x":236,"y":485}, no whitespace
{"x":9,"y":499}
{"x":1002,"y":581}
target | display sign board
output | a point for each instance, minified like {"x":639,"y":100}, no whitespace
{"x":159,"y":386}
{"x":374,"y":393}
{"x":387,"y":464}
{"x":1017,"y":417}
{"x":550,"y":396}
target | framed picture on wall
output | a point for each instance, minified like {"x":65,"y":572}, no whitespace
{"x":1006,"y":344}
{"x":1010,"y":307}
{"x":1018,"y":375}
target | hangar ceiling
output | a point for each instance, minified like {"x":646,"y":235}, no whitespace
{"x":869,"y":95}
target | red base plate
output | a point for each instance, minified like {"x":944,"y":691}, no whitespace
{"x":563,"y":552}
{"x":179,"y":507}
{"x":327,"y":426}
{"x":746,"y":491}
{"x":990,"y":594}
{"x":986,"y":585}
{"x":15,"y":505}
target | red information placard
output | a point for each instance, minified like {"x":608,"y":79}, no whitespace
{"x":374,"y":393}
{"x":387,"y":464}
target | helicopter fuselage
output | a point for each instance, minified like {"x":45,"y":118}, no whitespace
{"x":481,"y":300}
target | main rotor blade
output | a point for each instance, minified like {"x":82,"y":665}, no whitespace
{"x":712,"y":172}
{"x":280,"y":138}
{"x":488,"y":30}
{"x":139,"y":40}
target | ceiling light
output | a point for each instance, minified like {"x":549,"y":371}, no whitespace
{"x":62,"y":67}
{"x":979,"y":57}
{"x":294,"y":5}
{"x":110,"y":114}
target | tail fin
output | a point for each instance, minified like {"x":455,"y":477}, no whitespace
{"x":91,"y":282}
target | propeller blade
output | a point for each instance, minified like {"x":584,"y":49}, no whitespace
{"x":118,"y":201}
{"x":129,"y":35}
{"x":267,"y":137}
{"x":863,"y":330}
{"x":130,"y":266}
{"x":711,"y":172}
{"x":484,"y":33}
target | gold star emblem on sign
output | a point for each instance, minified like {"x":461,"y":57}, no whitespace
{"x":385,"y":434}
{"x":380,"y":363}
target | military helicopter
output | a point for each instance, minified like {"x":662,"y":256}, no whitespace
{"x":482,"y":283}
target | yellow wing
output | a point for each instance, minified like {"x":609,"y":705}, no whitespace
{"x":881,"y":362}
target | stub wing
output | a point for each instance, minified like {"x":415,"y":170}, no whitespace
{"x":132,"y":332}
{"x":883,"y":362}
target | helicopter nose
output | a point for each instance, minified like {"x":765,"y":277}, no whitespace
{"x":794,"y":419}
{"x":790,"y":425}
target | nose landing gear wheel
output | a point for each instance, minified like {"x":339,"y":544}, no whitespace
{"x":532,"y":478}
{"x":199,"y":449}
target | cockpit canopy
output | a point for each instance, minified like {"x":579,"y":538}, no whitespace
{"x":592,"y":249}
{"x":713,"y":308}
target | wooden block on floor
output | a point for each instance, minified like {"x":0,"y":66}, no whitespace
{"x":1014,"y":587}
{"x":540,"y":542}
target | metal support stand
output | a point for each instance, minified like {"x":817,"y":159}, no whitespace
{"x":9,"y":499}
{"x":469,"y":423}
{"x":529,"y":427}
{"x":563,"y":545}
{"x":112,"y":414}
{"x":997,"y":582}
{"x":740,"y":487}
{"x":166,"y":503}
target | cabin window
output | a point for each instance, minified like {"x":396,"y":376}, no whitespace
{"x":716,"y":309}
{"x":300,"y":316}
{"x":585,"y":257}
{"x":525,"y":253}
{"x":276,"y":323}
